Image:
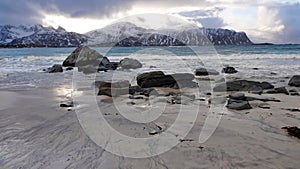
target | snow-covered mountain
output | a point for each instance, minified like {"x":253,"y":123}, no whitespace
{"x":38,"y":35}
{"x":9,"y":32}
{"x":114,"y":33}
{"x":128,"y":34}
{"x":118,"y":34}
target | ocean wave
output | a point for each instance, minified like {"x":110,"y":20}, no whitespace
{"x":37,"y":58}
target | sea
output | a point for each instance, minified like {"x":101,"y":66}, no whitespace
{"x":23,"y":67}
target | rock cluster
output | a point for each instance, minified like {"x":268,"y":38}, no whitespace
{"x":90,"y":61}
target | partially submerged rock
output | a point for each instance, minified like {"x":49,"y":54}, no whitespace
{"x":129,"y":63}
{"x":89,"y":61}
{"x":229,"y":70}
{"x":242,"y":85}
{"x":54,"y":69}
{"x":295,"y":81}
{"x":293,"y":131}
{"x":205,"y":72}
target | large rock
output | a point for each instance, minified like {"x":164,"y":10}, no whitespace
{"x":70,"y":61}
{"x":89,"y":61}
{"x":205,"y":72}
{"x":242,"y":85}
{"x":54,"y":69}
{"x":229,"y":70}
{"x":159,"y":79}
{"x":295,"y":81}
{"x":128,"y":63}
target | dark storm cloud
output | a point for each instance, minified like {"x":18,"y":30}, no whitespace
{"x":30,"y":11}
{"x":15,"y":12}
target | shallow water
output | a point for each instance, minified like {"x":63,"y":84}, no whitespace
{"x":23,"y":67}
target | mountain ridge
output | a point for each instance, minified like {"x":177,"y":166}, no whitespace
{"x":118,"y":34}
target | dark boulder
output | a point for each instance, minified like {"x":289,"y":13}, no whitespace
{"x":205,"y":72}
{"x":229,"y":70}
{"x":242,"y":85}
{"x":295,"y":81}
{"x":54,"y":69}
{"x":71,"y":59}
{"x":238,"y":104}
{"x":237,"y":96}
{"x":159,"y":79}
{"x":128,"y":63}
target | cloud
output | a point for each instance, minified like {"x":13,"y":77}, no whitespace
{"x":208,"y":18}
{"x":289,"y":17}
{"x":278,"y":24}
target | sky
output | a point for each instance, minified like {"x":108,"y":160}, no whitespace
{"x":275,"y":21}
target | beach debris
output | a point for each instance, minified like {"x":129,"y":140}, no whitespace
{"x":292,"y":131}
{"x":242,"y":85}
{"x":54,"y":69}
{"x":295,"y":81}
{"x":128,"y":63}
{"x":205,"y":72}
{"x":229,"y":70}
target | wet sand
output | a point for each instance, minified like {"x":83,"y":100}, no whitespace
{"x":36,"y":133}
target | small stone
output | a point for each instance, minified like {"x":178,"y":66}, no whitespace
{"x":229,"y":70}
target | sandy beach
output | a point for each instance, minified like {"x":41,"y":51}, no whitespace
{"x":44,"y":135}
